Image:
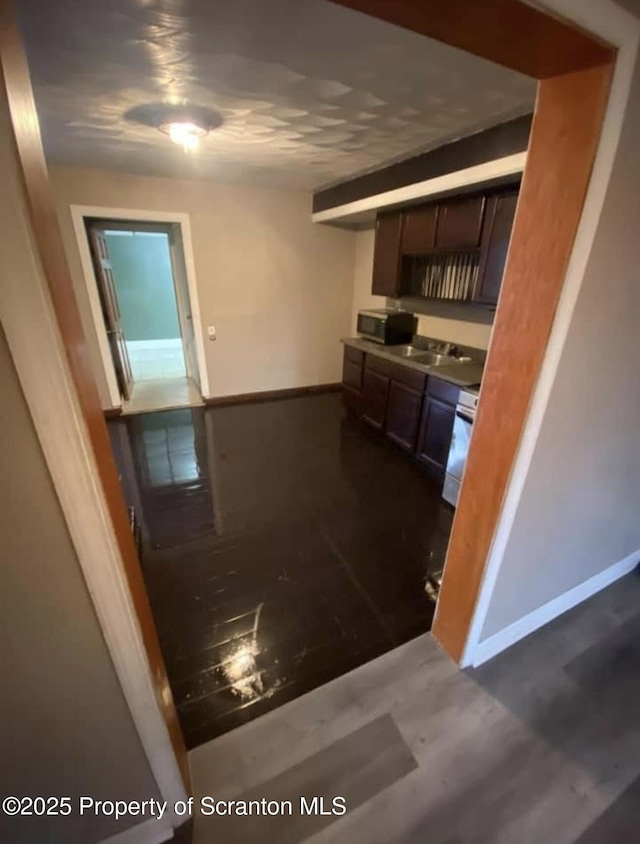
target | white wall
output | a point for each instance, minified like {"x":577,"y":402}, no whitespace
{"x":579,"y":512}
{"x":277,"y":287}
{"x":458,"y":324}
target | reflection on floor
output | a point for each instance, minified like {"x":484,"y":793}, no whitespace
{"x":154,"y":359}
{"x":163,"y":394}
{"x":282,"y":546}
{"x":542,"y":744}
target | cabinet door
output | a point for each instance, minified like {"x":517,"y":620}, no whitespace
{"x":386,"y":256}
{"x":352,"y":374}
{"x":375,"y":388}
{"x":434,"y":439}
{"x":419,"y":229}
{"x":499,"y":217}
{"x":403,"y":415}
{"x":352,"y":400}
{"x":460,"y":223}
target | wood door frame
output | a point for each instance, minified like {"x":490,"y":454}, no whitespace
{"x":583,"y":88}
{"x":79,"y":214}
{"x":74,"y":436}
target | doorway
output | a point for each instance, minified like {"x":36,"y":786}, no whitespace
{"x":145,"y":306}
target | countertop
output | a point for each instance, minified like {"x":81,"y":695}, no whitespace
{"x":460,"y":374}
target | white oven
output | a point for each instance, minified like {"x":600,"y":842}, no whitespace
{"x":462,"y":428}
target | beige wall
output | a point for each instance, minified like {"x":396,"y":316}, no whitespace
{"x":574,"y":523}
{"x":363,"y":272}
{"x":277,"y":287}
{"x":468,"y":327}
{"x":66,"y":729}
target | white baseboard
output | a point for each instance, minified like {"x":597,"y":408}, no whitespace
{"x":152,"y":831}
{"x":502,"y":640}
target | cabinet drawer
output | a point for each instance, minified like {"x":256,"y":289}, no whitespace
{"x":397,"y":372}
{"x":411,"y":377}
{"x":376,"y":364}
{"x":443,"y":390}
{"x":354,"y":355}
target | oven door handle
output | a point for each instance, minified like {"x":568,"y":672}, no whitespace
{"x":464,"y":417}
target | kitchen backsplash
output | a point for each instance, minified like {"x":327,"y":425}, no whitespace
{"x":465,"y":333}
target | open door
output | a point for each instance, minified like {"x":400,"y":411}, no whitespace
{"x":110,"y":309}
{"x":184,"y":305}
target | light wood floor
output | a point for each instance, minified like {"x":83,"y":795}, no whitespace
{"x":540,"y":745}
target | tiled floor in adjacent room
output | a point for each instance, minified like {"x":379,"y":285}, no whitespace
{"x":162,"y":393}
{"x":283,"y":544}
{"x":154,"y":359}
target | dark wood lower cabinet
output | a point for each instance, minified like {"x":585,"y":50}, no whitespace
{"x":436,"y":430}
{"x":352,"y":374}
{"x":352,"y":400}
{"x":415,"y":412}
{"x":375,"y":391}
{"x":403,"y":415}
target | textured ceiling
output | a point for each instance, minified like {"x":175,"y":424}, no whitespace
{"x":310,"y":92}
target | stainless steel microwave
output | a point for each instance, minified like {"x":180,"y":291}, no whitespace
{"x":387,"y":326}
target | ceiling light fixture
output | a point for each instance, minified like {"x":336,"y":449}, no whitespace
{"x":186,"y":134}
{"x":186,"y":124}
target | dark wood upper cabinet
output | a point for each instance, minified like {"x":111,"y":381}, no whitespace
{"x":472,"y":231}
{"x":386,"y":256}
{"x":460,"y":223}
{"x":403,"y":414}
{"x":419,"y":229}
{"x":499,"y":216}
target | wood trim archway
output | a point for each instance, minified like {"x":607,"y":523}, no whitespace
{"x":574,"y":72}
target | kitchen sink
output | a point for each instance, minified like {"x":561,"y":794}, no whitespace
{"x":405,"y":351}
{"x":423,"y":356}
{"x":433,"y":359}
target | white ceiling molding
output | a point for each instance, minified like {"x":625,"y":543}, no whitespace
{"x":362,"y":210}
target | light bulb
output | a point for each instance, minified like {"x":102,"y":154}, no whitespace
{"x":187,"y":135}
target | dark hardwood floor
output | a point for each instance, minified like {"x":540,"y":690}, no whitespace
{"x":282,"y":544}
